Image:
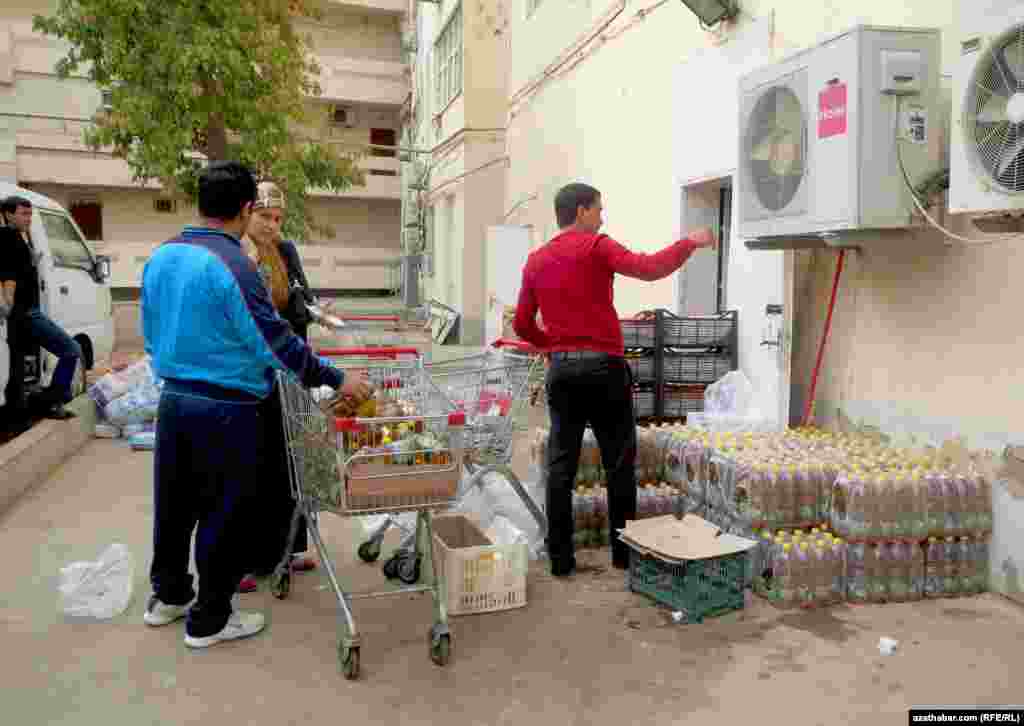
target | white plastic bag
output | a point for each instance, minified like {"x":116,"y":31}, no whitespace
{"x":114,"y":385}
{"x":100,"y":589}
{"x":730,"y":395}
{"x":503,"y":533}
{"x":138,"y":406}
{"x":496,"y":498}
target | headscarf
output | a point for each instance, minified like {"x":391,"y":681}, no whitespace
{"x":265,"y":253}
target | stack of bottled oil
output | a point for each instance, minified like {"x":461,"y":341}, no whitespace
{"x":821,"y":569}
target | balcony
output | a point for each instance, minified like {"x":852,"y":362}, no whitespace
{"x":382,"y":181}
{"x":355,"y":80}
{"x":327,"y":267}
{"x":397,"y":7}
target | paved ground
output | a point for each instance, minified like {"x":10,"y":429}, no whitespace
{"x":582,"y":652}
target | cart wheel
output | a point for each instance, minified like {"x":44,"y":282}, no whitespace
{"x":391,"y":566}
{"x":440,"y":649}
{"x":409,"y":569}
{"x":281,"y":586}
{"x":369,"y":551}
{"x":349,"y":658}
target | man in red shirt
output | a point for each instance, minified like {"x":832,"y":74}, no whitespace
{"x":571,"y":281}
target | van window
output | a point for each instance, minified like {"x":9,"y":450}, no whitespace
{"x":65,"y":243}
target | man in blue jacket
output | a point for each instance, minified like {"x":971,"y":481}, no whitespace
{"x":215,"y":339}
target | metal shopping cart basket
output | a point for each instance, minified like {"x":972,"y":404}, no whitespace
{"x":373,"y":330}
{"x":361,"y":466}
{"x":492,"y":389}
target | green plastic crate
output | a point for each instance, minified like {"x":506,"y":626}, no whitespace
{"x":697,"y":588}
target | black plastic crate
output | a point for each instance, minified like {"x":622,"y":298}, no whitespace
{"x":703,"y":367}
{"x":639,"y":334}
{"x":644,"y":403}
{"x":644,"y":367}
{"x":679,"y":401}
{"x":699,"y":332}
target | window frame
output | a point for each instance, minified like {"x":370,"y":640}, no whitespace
{"x":448,"y":56}
{"x":59,"y":260}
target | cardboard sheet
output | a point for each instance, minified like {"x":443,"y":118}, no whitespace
{"x":678,"y":540}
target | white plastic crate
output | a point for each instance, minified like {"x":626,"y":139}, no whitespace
{"x":480,"y":577}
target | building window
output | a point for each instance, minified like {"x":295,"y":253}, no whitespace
{"x":531,"y":6}
{"x":89,"y":218}
{"x":383,"y":137}
{"x":448,"y":60}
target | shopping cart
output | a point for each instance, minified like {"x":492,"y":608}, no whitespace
{"x":372,"y":331}
{"x":354,"y":467}
{"x":492,"y":389}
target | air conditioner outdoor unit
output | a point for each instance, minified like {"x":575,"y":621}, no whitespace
{"x":987,"y":144}
{"x":344,"y":117}
{"x":817,"y":146}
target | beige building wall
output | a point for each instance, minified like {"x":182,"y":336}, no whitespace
{"x":359,"y":49}
{"x":468,"y":164}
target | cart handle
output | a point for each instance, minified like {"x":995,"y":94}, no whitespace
{"x":520,"y":345}
{"x":367,"y":352}
{"x":372,"y":318}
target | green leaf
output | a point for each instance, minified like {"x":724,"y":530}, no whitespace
{"x":176,"y":67}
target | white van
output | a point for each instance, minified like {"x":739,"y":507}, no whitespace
{"x":75,"y":293}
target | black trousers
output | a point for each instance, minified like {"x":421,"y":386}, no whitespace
{"x":206,"y":479}
{"x":274,"y":511}
{"x":594,"y":390}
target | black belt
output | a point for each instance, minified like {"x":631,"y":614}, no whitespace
{"x":580,"y":355}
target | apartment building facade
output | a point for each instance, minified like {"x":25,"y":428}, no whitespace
{"x":455,"y":135}
{"x":365,"y":82}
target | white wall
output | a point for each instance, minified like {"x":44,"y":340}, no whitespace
{"x":923,"y":335}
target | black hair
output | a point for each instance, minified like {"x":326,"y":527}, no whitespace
{"x":570,"y":198}
{"x":10,"y":205}
{"x":225,"y":187}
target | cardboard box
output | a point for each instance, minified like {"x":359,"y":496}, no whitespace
{"x":679,"y":540}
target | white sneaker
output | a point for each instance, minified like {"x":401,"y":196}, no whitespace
{"x":240,"y":625}
{"x":160,"y":613}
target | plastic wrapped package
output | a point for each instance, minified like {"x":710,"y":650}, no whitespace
{"x":137,"y":406}
{"x":145,"y":441}
{"x":115,"y":385}
{"x":731,"y":395}
{"x":107,"y":431}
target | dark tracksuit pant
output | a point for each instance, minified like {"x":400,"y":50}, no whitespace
{"x":597,"y":389}
{"x":208,"y":478}
{"x":273,"y":513}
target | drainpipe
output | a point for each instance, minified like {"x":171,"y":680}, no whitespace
{"x":809,"y":407}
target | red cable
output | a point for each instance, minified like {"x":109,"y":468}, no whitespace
{"x":824,"y":336}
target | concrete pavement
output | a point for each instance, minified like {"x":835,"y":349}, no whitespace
{"x":581,"y":652}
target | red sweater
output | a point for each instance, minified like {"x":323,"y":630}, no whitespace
{"x":571,"y":281}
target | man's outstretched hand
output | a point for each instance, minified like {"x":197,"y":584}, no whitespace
{"x":704,"y":237}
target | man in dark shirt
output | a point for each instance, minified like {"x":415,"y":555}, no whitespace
{"x":27,"y":325}
{"x":570,"y":281}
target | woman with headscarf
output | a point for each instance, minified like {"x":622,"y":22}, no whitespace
{"x":279,"y":265}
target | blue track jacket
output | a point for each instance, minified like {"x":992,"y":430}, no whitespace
{"x":207,"y":316}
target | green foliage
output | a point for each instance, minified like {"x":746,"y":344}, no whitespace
{"x":217,"y":78}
